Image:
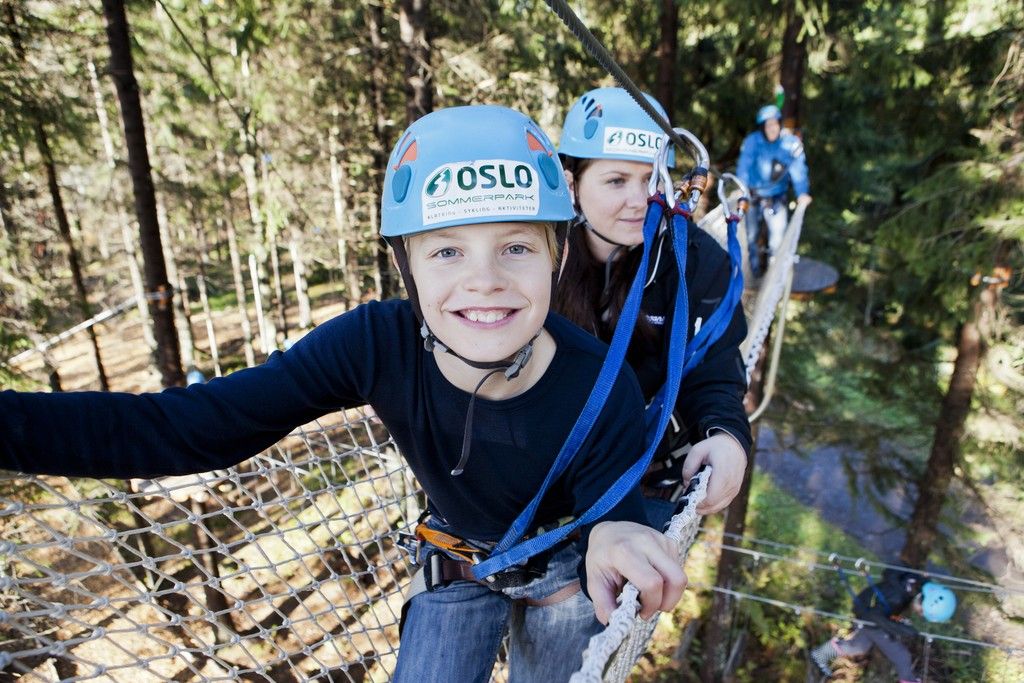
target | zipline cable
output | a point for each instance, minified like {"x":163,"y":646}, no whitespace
{"x":801,"y":609}
{"x":968,"y":584}
{"x":604,"y":58}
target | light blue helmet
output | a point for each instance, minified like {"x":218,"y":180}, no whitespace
{"x":768,"y":111}
{"x":467,"y":165}
{"x":607,"y":123}
{"x":937,"y":602}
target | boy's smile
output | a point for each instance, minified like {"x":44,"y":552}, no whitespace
{"x":485,"y":289}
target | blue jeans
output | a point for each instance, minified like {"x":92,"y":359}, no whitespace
{"x":776,"y":217}
{"x":453,"y":633}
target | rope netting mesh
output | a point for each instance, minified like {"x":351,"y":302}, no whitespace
{"x":282,"y":568}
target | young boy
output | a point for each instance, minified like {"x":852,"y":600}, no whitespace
{"x":476,"y":381}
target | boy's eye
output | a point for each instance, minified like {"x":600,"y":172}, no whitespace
{"x":518,"y":249}
{"x":446,"y":252}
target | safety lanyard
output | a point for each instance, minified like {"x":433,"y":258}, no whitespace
{"x":506,"y":554}
{"x":718,"y":322}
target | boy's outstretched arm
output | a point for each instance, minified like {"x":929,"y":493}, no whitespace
{"x":627,"y":551}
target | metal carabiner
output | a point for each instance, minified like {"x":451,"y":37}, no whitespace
{"x":700,"y":171}
{"x":742,"y":202}
{"x":659,"y":173}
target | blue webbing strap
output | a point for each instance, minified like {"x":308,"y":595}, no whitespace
{"x":719,"y":321}
{"x":505,"y":558}
{"x":846,"y":582}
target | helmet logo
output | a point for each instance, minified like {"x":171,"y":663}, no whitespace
{"x":490,"y":188}
{"x":632,"y":142}
{"x":438,"y":184}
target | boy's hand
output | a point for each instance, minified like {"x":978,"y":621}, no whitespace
{"x":626,"y":551}
{"x":728,"y":464}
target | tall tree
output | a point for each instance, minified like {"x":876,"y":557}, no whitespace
{"x":414,"y":29}
{"x":668,"y":53}
{"x":794,"y":63}
{"x":35,"y":116}
{"x":159,"y":290}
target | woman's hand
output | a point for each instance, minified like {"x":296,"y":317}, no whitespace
{"x":626,"y":551}
{"x":728,"y":464}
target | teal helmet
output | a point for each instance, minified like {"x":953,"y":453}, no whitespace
{"x":607,"y":123}
{"x":467,"y":165}
{"x":937,"y":602}
{"x":768,"y":111}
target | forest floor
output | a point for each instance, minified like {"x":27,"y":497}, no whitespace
{"x":821,"y":480}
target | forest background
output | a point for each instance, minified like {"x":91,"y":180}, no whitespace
{"x":267,"y":127}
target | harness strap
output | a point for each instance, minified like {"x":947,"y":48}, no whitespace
{"x":558,"y":596}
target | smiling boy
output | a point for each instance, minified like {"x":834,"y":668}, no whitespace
{"x":476,"y":381}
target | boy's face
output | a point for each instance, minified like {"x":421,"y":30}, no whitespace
{"x":484,"y":289}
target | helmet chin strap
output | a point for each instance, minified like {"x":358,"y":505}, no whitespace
{"x":511,"y":365}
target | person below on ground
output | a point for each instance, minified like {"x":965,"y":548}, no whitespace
{"x":882,"y":603}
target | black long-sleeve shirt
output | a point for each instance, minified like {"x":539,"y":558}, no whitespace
{"x":711,"y":396}
{"x":371,"y":355}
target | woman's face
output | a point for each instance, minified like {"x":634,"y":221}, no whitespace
{"x":612,"y":195}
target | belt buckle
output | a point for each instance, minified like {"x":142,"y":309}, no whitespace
{"x":432,"y":570}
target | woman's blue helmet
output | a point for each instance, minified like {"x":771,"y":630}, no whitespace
{"x":475,"y":164}
{"x":768,"y":111}
{"x":937,"y":602}
{"x":607,"y":123}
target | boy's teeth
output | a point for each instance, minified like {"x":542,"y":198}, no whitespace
{"x":485,"y":316}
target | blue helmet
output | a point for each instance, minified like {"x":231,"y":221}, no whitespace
{"x":607,"y":123}
{"x":937,"y":602}
{"x":467,"y":165}
{"x":768,"y":111}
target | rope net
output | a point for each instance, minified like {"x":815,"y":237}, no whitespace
{"x":284,"y":567}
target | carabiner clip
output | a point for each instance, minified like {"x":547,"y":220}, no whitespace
{"x":698,"y":177}
{"x":742,"y":202}
{"x":659,"y":173}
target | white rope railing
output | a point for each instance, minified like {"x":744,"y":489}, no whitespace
{"x":613,"y":653}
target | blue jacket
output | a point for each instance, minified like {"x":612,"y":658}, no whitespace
{"x":769,"y":167}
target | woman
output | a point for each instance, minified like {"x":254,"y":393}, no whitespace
{"x":608,"y":143}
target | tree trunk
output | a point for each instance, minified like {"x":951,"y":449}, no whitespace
{"x":668,"y":51}
{"x":275,"y":261}
{"x":414,"y":29}
{"x":186,"y":341}
{"x":8,"y":228}
{"x":347,"y":257}
{"x":794,"y":62}
{"x":81,"y":295}
{"x":204,"y":299}
{"x":236,"y":262}
{"x":299,"y":275}
{"x":159,"y":291}
{"x":922,"y":530}
{"x":718,"y":625}
{"x":43,"y":145}
{"x":378,"y":77}
{"x":127,"y":239}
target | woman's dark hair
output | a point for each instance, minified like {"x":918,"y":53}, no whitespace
{"x":582,"y":295}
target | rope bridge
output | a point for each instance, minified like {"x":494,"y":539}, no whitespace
{"x":284,"y":567}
